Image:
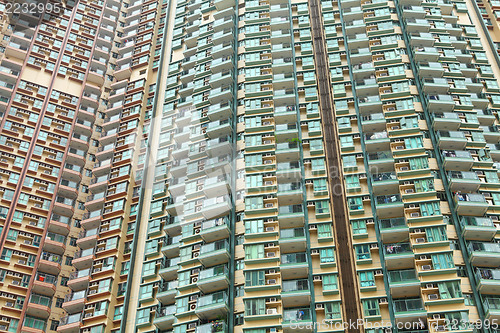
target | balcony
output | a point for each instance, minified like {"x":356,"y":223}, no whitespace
{"x":87,"y":238}
{"x":294,"y":265}
{"x":470,"y":204}
{"x":165,"y":317}
{"x":292,"y":240}
{"x":454,"y":140}
{"x":488,"y":280}
{"x":83,"y":259}
{"x":70,"y":323}
{"x":170,"y":246}
{"x":168,"y":268}
{"x":297,"y":320}
{"x":50,"y":263}
{"x":466,"y":181}
{"x":212,"y":306}
{"x":393,"y":230}
{"x":458,"y":160}
{"x":290,"y":193}
{"x":389,"y":205}
{"x":75,"y":301}
{"x":79,"y":280}
{"x":288,"y":171}
{"x":44,"y":284}
{"x":440,"y":103}
{"x":295,"y":293}
{"x":215,"y":207}
{"x":484,"y":254}
{"x":167,"y":292}
{"x":406,"y":310}
{"x":213,"y":279}
{"x":219,"y":111}
{"x":381,"y":161}
{"x":285,"y":114}
{"x":478,"y":228}
{"x":213,"y":327}
{"x":39,"y":306}
{"x":370,"y":104}
{"x":216,"y":186}
{"x":398,"y":255}
{"x":291,"y":216}
{"x":215,"y":229}
{"x":386,"y":182}
{"x":447,"y":121}
{"x":491,"y":306}
{"x":404,"y":283}
{"x":214,"y":253}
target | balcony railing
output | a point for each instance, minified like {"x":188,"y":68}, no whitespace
{"x":408,"y":305}
{"x":402,"y":276}
{"x":398,"y":248}
{"x":294,"y":258}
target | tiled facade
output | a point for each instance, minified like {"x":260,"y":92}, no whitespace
{"x":165,"y":166}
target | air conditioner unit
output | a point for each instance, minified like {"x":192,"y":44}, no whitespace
{"x":97,"y":270}
{"x":16,"y":282}
{"x":194,"y":280}
{"x":310,"y":203}
{"x":416,"y":231}
{"x":409,"y":190}
{"x":426,"y":267}
{"x":272,"y":271}
{"x":313,"y":227}
{"x":269,"y":245}
{"x":370,"y":221}
{"x":424,"y":257}
{"x":404,"y":169}
{"x":273,"y":330}
{"x":317,"y":278}
{"x":268,"y":162}
{"x":269,"y":196}
{"x":9,"y":304}
{"x":196,"y":254}
{"x":191,"y":326}
{"x":270,"y":254}
{"x":314,"y":251}
{"x":193,"y":297}
{"x":271,"y":281}
{"x":412,"y":206}
{"x":374,"y":246}
{"x":27,"y":242}
{"x":91,"y":292}
{"x":319,"y":306}
{"x":432,"y":296}
{"x":272,"y":300}
{"x":309,"y":181}
{"x":269,"y":205}
{"x":3,"y":328}
{"x":436,"y":315}
{"x":272,"y":311}
{"x":383,"y":300}
{"x":269,"y":229}
{"x":87,"y":315}
{"x":420,"y":240}
{"x":415,"y":215}
{"x":378,"y":272}
{"x":270,"y":220}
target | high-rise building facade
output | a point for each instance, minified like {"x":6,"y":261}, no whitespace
{"x":255,"y":166}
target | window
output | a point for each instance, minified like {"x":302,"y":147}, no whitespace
{"x":332,"y":310}
{"x":68,"y":261}
{"x":53,"y":325}
{"x":370,"y":307}
{"x":143,"y":316}
{"x":450,"y":289}
{"x":366,"y":279}
{"x":254,"y":278}
{"x":254,"y":226}
{"x":327,"y":255}
{"x":64,"y":281}
{"x":324,"y":230}
{"x":329,"y":282}
{"x":254,"y":251}
{"x":72,"y":241}
{"x":255,"y":307}
{"x":442,"y":261}
{"x":362,"y":252}
{"x":59,"y":302}
{"x":359,"y":227}
{"x":118,"y":312}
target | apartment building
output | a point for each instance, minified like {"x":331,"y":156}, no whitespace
{"x":255,"y":166}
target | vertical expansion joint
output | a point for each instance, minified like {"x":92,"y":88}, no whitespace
{"x":347,"y":276}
